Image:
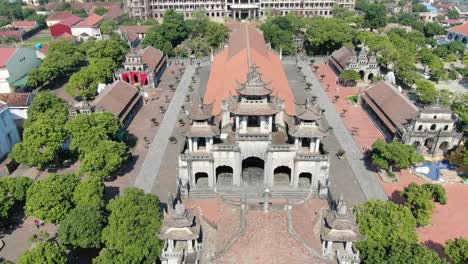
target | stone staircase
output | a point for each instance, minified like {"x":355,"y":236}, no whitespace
{"x":252,"y":193}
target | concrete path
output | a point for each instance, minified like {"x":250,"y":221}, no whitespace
{"x":370,"y":186}
{"x":150,"y":169}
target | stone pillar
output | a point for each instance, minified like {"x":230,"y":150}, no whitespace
{"x":296,"y":142}
{"x":190,"y":144}
{"x":237,"y":170}
{"x":317,"y":145}
{"x":329,"y":247}
{"x":270,"y":124}
{"x":170,"y":247}
{"x":195,"y":144}
{"x":348,"y":247}
{"x":312,"y":146}
{"x":189,"y":246}
{"x":324,"y":247}
{"x":249,"y":15}
{"x":295,"y":176}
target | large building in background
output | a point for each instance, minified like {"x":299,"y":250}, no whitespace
{"x":236,"y":9}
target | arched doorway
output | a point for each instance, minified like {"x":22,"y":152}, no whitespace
{"x":417,"y":145}
{"x":362,"y":74}
{"x":224,"y":175}
{"x":201,"y":180}
{"x":305,"y":180}
{"x":444,"y":146}
{"x":370,"y":77}
{"x":282,"y":176}
{"x":433,"y":127}
{"x":429,"y":143}
{"x":135,"y":78}
{"x":253,"y":171}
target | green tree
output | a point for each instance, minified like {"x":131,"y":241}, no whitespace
{"x":341,"y":12}
{"x":419,"y":200}
{"x":426,"y":91}
{"x":349,"y":76}
{"x":89,"y":192}
{"x":51,"y":199}
{"x":465,"y":58}
{"x":42,"y":142}
{"x":16,"y":187}
{"x":82,"y":227}
{"x":113,"y":48}
{"x":412,"y":253}
{"x":6,"y":203}
{"x":87,"y":131}
{"x":110,"y":256}
{"x":419,"y":8}
{"x":46,"y":103}
{"x":459,"y":156}
{"x":456,"y":47}
{"x":83,"y":84}
{"x":173,"y":27}
{"x":280,"y":31}
{"x":432,"y":28}
{"x":108,"y":27}
{"x":134,"y":221}
{"x":375,"y":16}
{"x":100,"y":10}
{"x":155,"y":39}
{"x":384,"y":224}
{"x":394,"y":154}
{"x":457,"y":250}
{"x":324,"y":35}
{"x":453,"y":14}
{"x":104,"y":159}
{"x":44,"y":252}
{"x":460,"y":107}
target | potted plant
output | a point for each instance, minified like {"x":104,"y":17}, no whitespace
{"x":162,"y":110}
{"x":181,"y":122}
{"x":154,"y":121}
{"x":340,"y":154}
{"x":315,"y":68}
{"x":172,"y":140}
{"x":322,"y":76}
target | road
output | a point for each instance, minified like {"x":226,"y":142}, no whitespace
{"x":150,"y":169}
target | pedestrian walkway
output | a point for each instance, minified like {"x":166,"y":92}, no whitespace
{"x":369,"y":184}
{"x":150,"y":169}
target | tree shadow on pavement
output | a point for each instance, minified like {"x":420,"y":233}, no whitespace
{"x":15,"y":220}
{"x":436,"y":247}
{"x":110,"y":192}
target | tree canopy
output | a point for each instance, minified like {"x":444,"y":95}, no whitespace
{"x":134,"y":221}
{"x":419,"y":199}
{"x":457,"y":250}
{"x":44,"y":252}
{"x":6,"y":203}
{"x":280,"y":32}
{"x":386,"y":155}
{"x":82,"y":227}
{"x":325,"y":35}
{"x":427,"y":93}
{"x":375,"y":16}
{"x":51,"y":199}
{"x":89,"y":192}
{"x":104,"y":159}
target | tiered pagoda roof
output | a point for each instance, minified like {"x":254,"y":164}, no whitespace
{"x":341,"y":225}
{"x":202,"y":121}
{"x":308,"y":122}
{"x":254,"y":85}
{"x":180,"y":224}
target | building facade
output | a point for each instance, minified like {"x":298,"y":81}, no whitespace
{"x":15,"y":65}
{"x":253,"y":144}
{"x":9,"y":134}
{"x":236,"y":9}
{"x":432,"y":132}
{"x":362,"y":62}
{"x":458,"y":33}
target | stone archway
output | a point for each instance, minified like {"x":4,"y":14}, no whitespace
{"x":429,"y":143}
{"x":253,"y":171}
{"x":417,"y":145}
{"x":370,"y":78}
{"x":282,"y":176}
{"x":201,"y":180}
{"x":444,"y":146}
{"x":305,"y":179}
{"x":224,"y":175}
{"x":362,"y":74}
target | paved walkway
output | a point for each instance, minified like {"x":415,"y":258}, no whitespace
{"x":366,"y":179}
{"x":150,"y":169}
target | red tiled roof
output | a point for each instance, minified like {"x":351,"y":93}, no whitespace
{"x":66,"y":36}
{"x":392,"y":107}
{"x":462,"y":29}
{"x":246,"y":47}
{"x":11,"y":33}
{"x":20,"y":24}
{"x":452,"y":21}
{"x":16,"y":99}
{"x":59,"y":15}
{"x":70,"y":21}
{"x":152,"y":57}
{"x":5,"y":54}
{"x":91,"y":21}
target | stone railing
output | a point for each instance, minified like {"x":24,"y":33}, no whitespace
{"x":274,"y":148}
{"x":247,"y":137}
{"x":310,"y":157}
{"x":196,"y":156}
{"x":225,"y":148}
{"x":344,"y":257}
{"x":172,"y":255}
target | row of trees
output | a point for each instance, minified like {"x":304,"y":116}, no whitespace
{"x":178,"y":37}
{"x":127,"y":226}
{"x":93,"y":138}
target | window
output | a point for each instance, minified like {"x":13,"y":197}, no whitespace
{"x":433,"y":127}
{"x":420,"y":127}
{"x":446,"y":127}
{"x":435,"y":117}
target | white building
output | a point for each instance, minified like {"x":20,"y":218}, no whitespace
{"x":88,"y":28}
{"x":238,"y":9}
{"x":458,"y":33}
{"x":9,"y":135}
{"x":18,"y":103}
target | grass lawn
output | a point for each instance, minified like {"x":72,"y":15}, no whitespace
{"x":42,"y":37}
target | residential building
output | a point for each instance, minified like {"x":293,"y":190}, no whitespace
{"x":462,"y":9}
{"x":248,"y":132}
{"x":16,"y":34}
{"x":58,"y":16}
{"x":142,"y":66}
{"x":18,"y":104}
{"x":133,"y":35}
{"x":15,"y":65}
{"x":458,"y":33}
{"x":9,"y":134}
{"x":64,"y":26}
{"x":236,"y":9}
{"x":32,"y":2}
{"x":88,"y":28}
{"x":25,"y":25}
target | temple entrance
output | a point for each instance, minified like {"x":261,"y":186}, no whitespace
{"x":282,"y":176}
{"x":444,"y":146}
{"x":429,"y":143}
{"x":253,"y":171}
{"x":224,"y":176}
{"x":362,"y":74}
{"x":201,"y":143}
{"x":135,"y":78}
{"x":253,"y":121}
{"x":305,"y":180}
{"x":417,"y":145}
{"x":370,"y":78}
{"x":201,"y":180}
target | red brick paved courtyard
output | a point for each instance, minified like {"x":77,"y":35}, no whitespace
{"x":448,"y":221}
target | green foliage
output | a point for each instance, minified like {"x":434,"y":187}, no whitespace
{"x":6,"y":203}
{"x":16,"y":187}
{"x":114,"y":49}
{"x":341,"y":12}
{"x":419,"y":199}
{"x":386,"y":155}
{"x":459,"y":156}
{"x":457,"y":250}
{"x":427,"y":93}
{"x":432,"y":28}
{"x":100,"y":10}
{"x":11,"y":9}
{"x":89,"y":192}
{"x":460,"y":107}
{"x":375,"y":16}
{"x":384,"y":224}
{"x":48,"y":104}
{"x":108,"y":27}
{"x":327,"y":34}
{"x":280,"y":32}
{"x":44,"y":252}
{"x":453,"y":14}
{"x":82,"y":227}
{"x":350,"y":75}
{"x":419,"y":8}
{"x":51,"y":199}
{"x":110,"y":256}
{"x":134,"y":221}
{"x":412,"y":253}
{"x":104,"y":159}
{"x":87,"y":131}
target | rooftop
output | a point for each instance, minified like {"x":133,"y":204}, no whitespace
{"x":16,"y":99}
{"x":461,"y":29}
{"x":59,"y":16}
{"x":93,"y":20}
{"x":70,"y":21}
{"x":20,"y":24}
{"x":5,"y":55}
